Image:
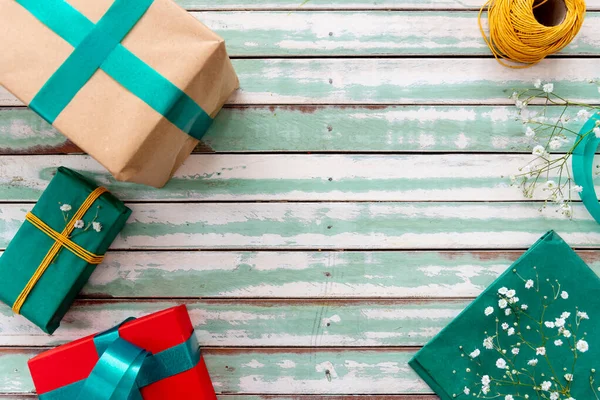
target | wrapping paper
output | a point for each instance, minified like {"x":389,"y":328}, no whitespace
{"x":132,"y":140}
{"x":63,"y":280}
{"x":543,"y":347}
{"x":68,"y":366}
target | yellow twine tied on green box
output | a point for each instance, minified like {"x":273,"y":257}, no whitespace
{"x":61,"y":239}
{"x":516,"y":35}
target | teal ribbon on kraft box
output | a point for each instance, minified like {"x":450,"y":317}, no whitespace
{"x":97,"y":46}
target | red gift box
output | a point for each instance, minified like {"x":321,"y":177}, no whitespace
{"x":156,"y":332}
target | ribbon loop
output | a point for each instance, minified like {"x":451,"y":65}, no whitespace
{"x":123,"y":368}
{"x":583,"y":167}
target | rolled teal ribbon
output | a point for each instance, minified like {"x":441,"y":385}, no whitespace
{"x":124,"y":368}
{"x":583,"y":167}
{"x":98,"y":47}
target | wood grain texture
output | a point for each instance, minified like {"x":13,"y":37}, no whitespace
{"x":294,"y":178}
{"x":248,"y":323}
{"x":300,"y":275}
{"x":336,"y":226}
{"x":275,"y":371}
{"x":320,"y":128}
{"x":334,"y":33}
{"x":301,"y":5}
{"x":398,"y":81}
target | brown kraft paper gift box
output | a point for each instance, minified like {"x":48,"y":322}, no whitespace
{"x":128,"y":137}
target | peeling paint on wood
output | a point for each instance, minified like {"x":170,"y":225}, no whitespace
{"x":294,"y":178}
{"x":320,"y":128}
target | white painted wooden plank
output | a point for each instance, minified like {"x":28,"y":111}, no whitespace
{"x":366,"y":33}
{"x":293,"y":177}
{"x":382,"y":225}
{"x":301,"y":5}
{"x":399,"y":81}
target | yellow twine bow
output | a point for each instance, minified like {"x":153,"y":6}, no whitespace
{"x":516,"y":35}
{"x":61,"y":240}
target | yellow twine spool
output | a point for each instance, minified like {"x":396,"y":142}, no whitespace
{"x":516,"y":34}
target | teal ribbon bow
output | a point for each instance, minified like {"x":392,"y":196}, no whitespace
{"x":124,"y":368}
{"x":583,"y":167}
{"x":98,"y":47}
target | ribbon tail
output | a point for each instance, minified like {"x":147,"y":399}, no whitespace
{"x":114,"y":376}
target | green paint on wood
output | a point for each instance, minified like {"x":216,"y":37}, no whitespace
{"x":254,"y":371}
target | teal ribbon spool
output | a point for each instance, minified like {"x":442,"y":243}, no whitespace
{"x":98,"y":47}
{"x":124,"y":368}
{"x":583,"y":167}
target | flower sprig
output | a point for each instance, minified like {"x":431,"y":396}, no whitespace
{"x":548,"y":133}
{"x":80,"y":224}
{"x":519,"y":345}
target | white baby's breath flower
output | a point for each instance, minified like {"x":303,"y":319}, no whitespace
{"x":559,"y":322}
{"x":515,"y":350}
{"x":502,"y":291}
{"x":97,"y":226}
{"x":567,"y":211}
{"x":582,"y":346}
{"x":529,"y":132}
{"x":546,"y":385}
{"x":529,"y":284}
{"x":504,"y":325}
{"x":577,"y":189}
{"x":548,"y":88}
{"x":582,"y":315}
{"x":533,"y":362}
{"x":583,"y":114}
{"x":510,"y":331}
{"x":569,"y":377}
{"x":565,"y":315}
{"x":555,"y":144}
{"x":566,"y":333}
{"x":510,"y":293}
{"x":558,"y":342}
{"x":466,"y":390}
{"x":489,"y":311}
{"x":501,"y":363}
{"x":564,"y":295}
{"x":538,"y":151}
{"x":475,"y":353}
{"x":509,"y":397}
{"x":521,"y":104}
{"x":507,"y":312}
{"x":524,"y":306}
{"x":79,"y":224}
{"x":485,"y":380}
{"x":485,"y":389}
{"x":597,"y":131}
{"x":549,"y":324}
{"x":502,"y":303}
{"x":540,"y":351}
{"x":65,"y":207}
{"x":488,"y":343}
{"x":554,"y":396}
{"x":550,"y":185}
{"x":537,"y":83}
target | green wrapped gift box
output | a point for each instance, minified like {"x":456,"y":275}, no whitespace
{"x":533,"y":334}
{"x":79,"y":221}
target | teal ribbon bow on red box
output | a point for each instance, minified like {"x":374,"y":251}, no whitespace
{"x":98,"y":46}
{"x":583,"y":166}
{"x":124,"y":368}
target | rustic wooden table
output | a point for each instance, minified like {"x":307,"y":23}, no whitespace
{"x":355,"y":202}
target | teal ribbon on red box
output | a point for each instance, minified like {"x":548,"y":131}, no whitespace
{"x":583,"y":166}
{"x":98,"y":46}
{"x":124,"y":368}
